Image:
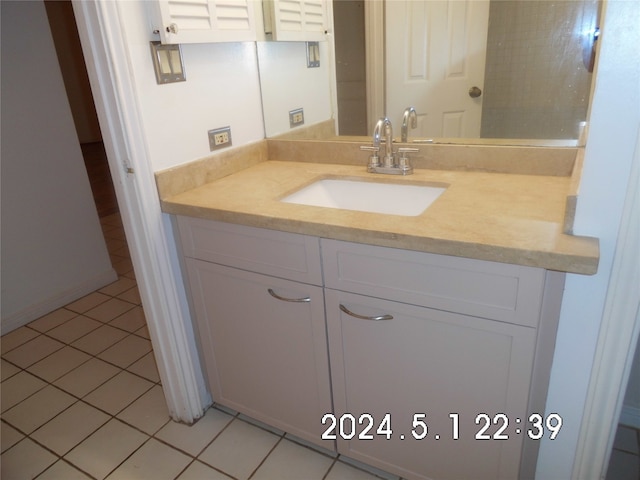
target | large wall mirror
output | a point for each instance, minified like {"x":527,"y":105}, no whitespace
{"x":475,"y":69}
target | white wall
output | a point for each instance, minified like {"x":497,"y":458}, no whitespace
{"x":53,"y":250}
{"x":222,"y":88}
{"x":615,"y":123}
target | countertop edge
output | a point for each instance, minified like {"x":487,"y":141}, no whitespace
{"x":557,"y":261}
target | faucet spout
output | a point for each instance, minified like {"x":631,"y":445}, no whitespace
{"x":409,"y":119}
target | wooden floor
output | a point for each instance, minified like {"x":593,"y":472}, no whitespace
{"x":104,"y":195}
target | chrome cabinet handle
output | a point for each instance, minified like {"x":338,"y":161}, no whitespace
{"x":284,"y":299}
{"x":362,"y":317}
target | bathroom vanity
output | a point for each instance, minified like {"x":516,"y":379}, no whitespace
{"x":418,"y":344}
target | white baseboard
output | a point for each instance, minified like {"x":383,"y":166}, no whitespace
{"x":630,"y":416}
{"x":30,"y":313}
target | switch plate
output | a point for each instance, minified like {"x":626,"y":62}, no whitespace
{"x":296,"y":117}
{"x":219,"y":138}
{"x":167,"y":63}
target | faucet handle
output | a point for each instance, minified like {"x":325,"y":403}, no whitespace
{"x":403,"y":162}
{"x":374,"y":160}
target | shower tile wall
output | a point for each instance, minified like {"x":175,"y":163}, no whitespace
{"x":536,"y":83}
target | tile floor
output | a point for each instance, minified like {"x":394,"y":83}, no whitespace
{"x":81,"y":399}
{"x":625,"y":456}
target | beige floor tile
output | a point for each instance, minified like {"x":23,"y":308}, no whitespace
{"x":148,"y":413}
{"x":17,"y":388}
{"x":74,"y":329}
{"x":114,"y":245}
{"x":106,"y":448}
{"x":38,"y":409}
{"x":131,"y":320}
{"x":33,"y":351}
{"x":626,"y":439}
{"x":200,"y":471}
{"x":123,"y":251}
{"x":154,"y":460}
{"x":99,"y":340}
{"x":7,"y":370}
{"x":123,"y":266}
{"x":117,"y":287}
{"x":132,"y":295}
{"x":61,"y":470}
{"x":87,"y":302}
{"x":126,"y":351}
{"x":143,"y":332}
{"x":9,"y":436}
{"x":70,"y":427}
{"x":24,"y":460}
{"x":52,"y":320}
{"x":146,"y":367}
{"x":118,"y":393}
{"x":290,"y":461}
{"x":368,"y":468}
{"x":107,"y":311}
{"x":342,"y":471}
{"x":58,"y":363}
{"x":623,"y":466}
{"x":192,"y":439}
{"x":86,"y":377}
{"x":117,"y":232}
{"x":17,"y":337}
{"x":239,"y":449}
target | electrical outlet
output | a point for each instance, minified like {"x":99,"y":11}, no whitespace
{"x":219,"y":138}
{"x":296,"y":117}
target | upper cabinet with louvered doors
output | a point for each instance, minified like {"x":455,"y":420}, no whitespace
{"x":295,"y":20}
{"x":204,"y":21}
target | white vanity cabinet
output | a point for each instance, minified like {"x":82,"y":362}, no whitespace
{"x":436,"y":362}
{"x":262,"y":338}
{"x":461,"y":344}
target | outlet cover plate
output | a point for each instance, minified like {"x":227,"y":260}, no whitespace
{"x":219,"y":138}
{"x":296,"y":117}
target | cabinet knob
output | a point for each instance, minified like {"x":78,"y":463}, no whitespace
{"x":173,"y":28}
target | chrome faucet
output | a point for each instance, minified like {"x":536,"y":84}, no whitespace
{"x":403,"y":167}
{"x":409,"y":118}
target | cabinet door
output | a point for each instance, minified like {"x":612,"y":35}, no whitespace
{"x":203,"y":21}
{"x":295,"y":20}
{"x":449,"y":367}
{"x":265,"y":356}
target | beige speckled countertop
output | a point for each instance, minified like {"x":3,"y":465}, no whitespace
{"x":503,"y":217}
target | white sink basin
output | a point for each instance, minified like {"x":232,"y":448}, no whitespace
{"x":376,"y":197}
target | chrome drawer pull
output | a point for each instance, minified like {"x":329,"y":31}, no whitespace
{"x":362,"y":317}
{"x":297,"y":300}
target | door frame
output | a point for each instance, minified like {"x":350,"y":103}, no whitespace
{"x":375,"y":61}
{"x":148,"y":230}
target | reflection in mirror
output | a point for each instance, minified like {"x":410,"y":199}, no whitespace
{"x":504,"y":69}
{"x":304,"y":86}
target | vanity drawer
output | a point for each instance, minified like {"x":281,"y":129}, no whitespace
{"x":279,"y":254}
{"x":504,"y":292}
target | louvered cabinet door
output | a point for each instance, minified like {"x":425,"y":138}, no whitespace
{"x":204,"y":21}
{"x":295,"y":20}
